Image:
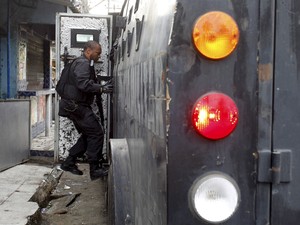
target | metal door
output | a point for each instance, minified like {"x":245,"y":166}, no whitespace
{"x":88,"y":27}
{"x":285,"y":208}
{"x":278,"y":198}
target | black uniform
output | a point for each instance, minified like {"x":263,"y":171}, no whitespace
{"x":76,"y":105}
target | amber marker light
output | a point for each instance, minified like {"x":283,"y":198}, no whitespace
{"x":215,"y":35}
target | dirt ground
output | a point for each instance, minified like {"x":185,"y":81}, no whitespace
{"x":77,"y":200}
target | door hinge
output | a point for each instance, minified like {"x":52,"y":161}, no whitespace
{"x":275,"y":167}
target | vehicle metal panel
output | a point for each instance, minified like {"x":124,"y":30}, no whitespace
{"x":192,"y":75}
{"x":285,"y":208}
{"x":261,"y":76}
{"x":141,"y":103}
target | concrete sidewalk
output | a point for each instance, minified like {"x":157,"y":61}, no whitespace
{"x":40,"y":194}
{"x":25,"y":188}
{"x":17,"y":185}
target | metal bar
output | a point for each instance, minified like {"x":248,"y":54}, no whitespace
{"x":1,"y":68}
{"x":265,"y":107}
{"x":8,"y":48}
{"x":48,"y":114}
{"x":56,"y":102}
{"x":109,"y":109}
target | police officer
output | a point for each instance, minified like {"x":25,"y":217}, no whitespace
{"x":75,"y":104}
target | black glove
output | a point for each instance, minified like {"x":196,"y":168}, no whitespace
{"x":107,"y":88}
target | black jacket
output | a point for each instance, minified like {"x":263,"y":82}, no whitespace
{"x":82,"y":81}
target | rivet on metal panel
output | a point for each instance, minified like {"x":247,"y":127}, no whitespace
{"x":255,"y":155}
{"x":128,"y":220}
{"x":220,"y":160}
{"x":170,"y":81}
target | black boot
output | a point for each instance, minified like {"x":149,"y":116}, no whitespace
{"x":96,"y":171}
{"x":70,"y":165}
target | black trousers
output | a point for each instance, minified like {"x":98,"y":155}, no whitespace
{"x":92,"y":135}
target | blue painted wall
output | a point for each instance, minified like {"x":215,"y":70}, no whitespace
{"x":41,"y":13}
{"x":3,"y":69}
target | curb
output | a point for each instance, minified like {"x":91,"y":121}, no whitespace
{"x":42,"y":194}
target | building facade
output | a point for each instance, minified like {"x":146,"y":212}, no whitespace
{"x":27,"y":71}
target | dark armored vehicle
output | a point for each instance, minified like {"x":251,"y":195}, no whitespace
{"x":206,"y":107}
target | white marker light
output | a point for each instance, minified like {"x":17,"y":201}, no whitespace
{"x":215,"y":197}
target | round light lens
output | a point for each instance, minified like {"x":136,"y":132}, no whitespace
{"x":215,"y":35}
{"x":215,"y":115}
{"x":215,"y":197}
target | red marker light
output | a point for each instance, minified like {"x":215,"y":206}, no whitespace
{"x":215,"y":115}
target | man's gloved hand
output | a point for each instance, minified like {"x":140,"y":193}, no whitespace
{"x":107,"y":88}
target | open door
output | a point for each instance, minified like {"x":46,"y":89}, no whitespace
{"x":72,"y":31}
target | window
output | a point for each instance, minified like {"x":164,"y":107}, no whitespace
{"x":80,"y":36}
